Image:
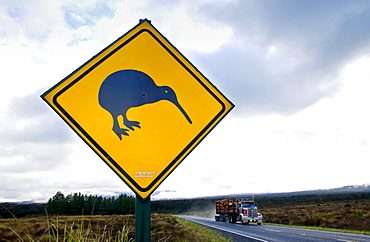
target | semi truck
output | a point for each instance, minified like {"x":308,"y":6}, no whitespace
{"x":233,"y":210}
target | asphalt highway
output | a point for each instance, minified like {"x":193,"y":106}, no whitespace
{"x":253,"y":232}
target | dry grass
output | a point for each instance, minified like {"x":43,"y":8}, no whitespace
{"x":354,"y":215}
{"x":99,"y":228}
{"x":67,"y":228}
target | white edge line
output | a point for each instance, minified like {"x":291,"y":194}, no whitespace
{"x":215,"y":227}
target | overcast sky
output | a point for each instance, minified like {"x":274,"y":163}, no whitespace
{"x":297,"y":71}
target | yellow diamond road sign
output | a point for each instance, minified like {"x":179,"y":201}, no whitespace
{"x":140,"y":105}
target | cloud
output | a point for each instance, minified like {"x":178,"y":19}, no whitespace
{"x":35,"y":20}
{"x":31,"y":136}
{"x":29,"y":120}
{"x":187,"y":28}
{"x":77,"y":14}
{"x":311,"y":42}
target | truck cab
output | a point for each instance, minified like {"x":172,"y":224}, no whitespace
{"x":248,"y":212}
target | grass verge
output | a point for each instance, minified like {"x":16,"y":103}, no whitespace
{"x":115,"y":228}
{"x":206,"y":234}
{"x":321,"y":228}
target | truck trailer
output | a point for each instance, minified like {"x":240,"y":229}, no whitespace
{"x":233,"y":210}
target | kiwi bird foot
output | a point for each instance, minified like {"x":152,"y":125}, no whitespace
{"x":120,"y":132}
{"x":131,"y":124}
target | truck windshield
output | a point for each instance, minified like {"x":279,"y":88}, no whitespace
{"x":247,"y":205}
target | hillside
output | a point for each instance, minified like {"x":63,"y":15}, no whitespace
{"x":208,"y":204}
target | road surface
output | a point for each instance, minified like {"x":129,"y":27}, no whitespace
{"x":271,"y":233}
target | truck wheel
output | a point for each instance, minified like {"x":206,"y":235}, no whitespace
{"x":232,"y":219}
{"x":259,"y":223}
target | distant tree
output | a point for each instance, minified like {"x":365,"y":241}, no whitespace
{"x":57,"y":204}
{"x":89,"y":204}
{"x":77,"y":203}
{"x":125,"y":204}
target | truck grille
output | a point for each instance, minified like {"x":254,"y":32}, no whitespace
{"x":252,"y":212}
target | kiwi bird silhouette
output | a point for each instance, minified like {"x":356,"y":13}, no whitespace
{"x":126,"y":89}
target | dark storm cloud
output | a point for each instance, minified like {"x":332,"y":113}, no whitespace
{"x":314,"y":40}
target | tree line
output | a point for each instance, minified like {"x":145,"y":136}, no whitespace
{"x":72,"y":204}
{"x":79,"y":204}
{"x":10,"y":210}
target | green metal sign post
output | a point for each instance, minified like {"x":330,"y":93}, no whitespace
{"x":142,"y":219}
